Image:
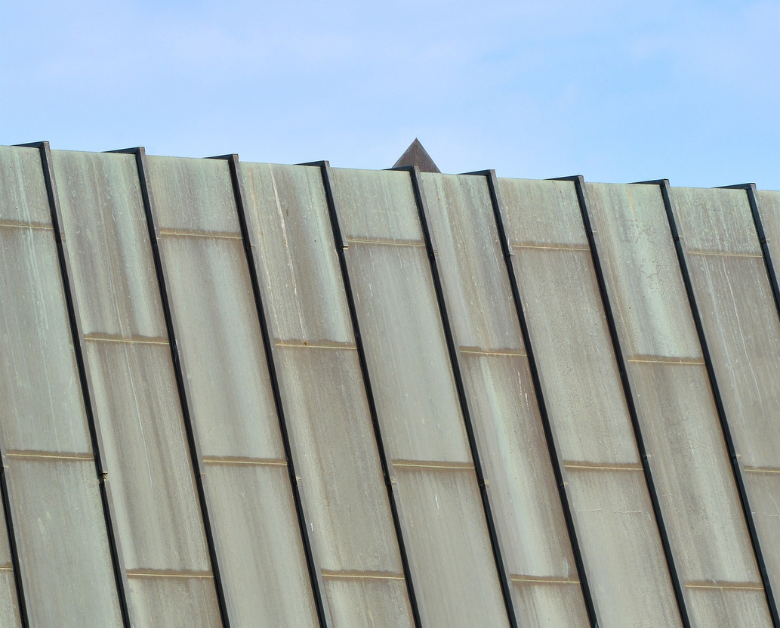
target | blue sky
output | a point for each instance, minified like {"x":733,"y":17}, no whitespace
{"x":614,"y":90}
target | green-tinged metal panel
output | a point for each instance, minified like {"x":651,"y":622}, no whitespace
{"x":42,"y":408}
{"x":324,"y":397}
{"x":174,"y":602}
{"x":374,"y":602}
{"x":542,"y":214}
{"x":675,"y":403}
{"x":742,"y":327}
{"x":136,"y":400}
{"x":575,"y":356}
{"x":192,"y":195}
{"x":265,"y":567}
{"x":9,"y":605}
{"x":524,"y":494}
{"x":112,"y":265}
{"x":145,"y":446}
{"x":769,"y":207}
{"x":549,"y":604}
{"x":715,"y":221}
{"x":527,"y":511}
{"x":457,"y":582}
{"x":221,"y":346}
{"x":450,"y":548}
{"x":640,"y":265}
{"x":715,"y":607}
{"x":407,"y":352}
{"x":300,"y":269}
{"x":63,"y":543}
{"x":621,"y":547}
{"x":743,"y":332}
{"x":340,"y":468}
{"x":479,"y":296}
{"x":23,"y":198}
{"x":619,"y":536}
{"x":377,"y":205}
{"x":691,"y":466}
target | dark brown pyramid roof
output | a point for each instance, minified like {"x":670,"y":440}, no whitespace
{"x":416,"y":155}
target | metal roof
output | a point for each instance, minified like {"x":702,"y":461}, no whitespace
{"x":240,"y":394}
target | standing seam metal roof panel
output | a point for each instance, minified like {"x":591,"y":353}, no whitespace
{"x":352,"y":437}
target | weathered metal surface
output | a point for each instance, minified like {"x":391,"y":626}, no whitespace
{"x":425,"y":420}
{"x":113,"y":268}
{"x":300,"y":271}
{"x":232,"y":401}
{"x":374,"y":602}
{"x":498,"y":383}
{"x":9,"y":604}
{"x":176,"y":602}
{"x":724,"y":608}
{"x":64,"y":548}
{"x":349,"y":429}
{"x":739,"y":318}
{"x":42,"y":407}
{"x":587,"y":405}
{"x":341,"y":468}
{"x":377,"y":205}
{"x":621,"y":548}
{"x":675,"y":400}
{"x":389,"y":265}
{"x":192,"y":195}
{"x":147,"y":456}
{"x":23,"y":196}
{"x":156,"y":499}
{"x":265,"y":566}
{"x":450,"y":548}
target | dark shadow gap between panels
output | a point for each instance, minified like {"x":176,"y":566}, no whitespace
{"x":182,"y":385}
{"x":579,"y":185}
{"x":721,"y":409}
{"x":557,"y":464}
{"x":430,"y":245}
{"x":120,"y":572}
{"x":384,"y":457}
{"x":247,"y":235}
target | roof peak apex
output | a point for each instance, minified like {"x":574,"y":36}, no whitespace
{"x":416,"y":155}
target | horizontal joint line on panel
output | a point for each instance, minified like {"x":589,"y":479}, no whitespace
{"x":605,"y":467}
{"x":8,"y":568}
{"x":382,"y":242}
{"x":761,"y":470}
{"x":552,"y":247}
{"x":219,"y":235}
{"x":307,"y":345}
{"x":660,"y":360}
{"x":50,"y":455}
{"x":542,"y":580}
{"x":131,"y":341}
{"x":736,"y":586}
{"x":423,"y":464}
{"x":725,"y":254}
{"x":508,"y":352}
{"x":24,"y":225}
{"x":360,"y":575}
{"x":260,"y":462}
{"x":140,"y":573}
